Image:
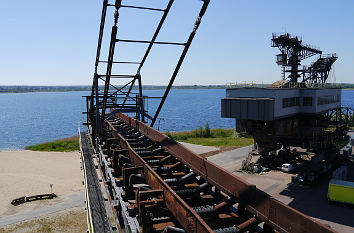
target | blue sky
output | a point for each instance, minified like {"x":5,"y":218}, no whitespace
{"x":54,"y":42}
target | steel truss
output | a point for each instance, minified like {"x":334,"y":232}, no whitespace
{"x":122,"y":98}
{"x":293,"y":51}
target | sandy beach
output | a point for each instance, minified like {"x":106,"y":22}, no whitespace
{"x":26,"y":173}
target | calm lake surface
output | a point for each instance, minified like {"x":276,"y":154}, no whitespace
{"x":31,"y":118}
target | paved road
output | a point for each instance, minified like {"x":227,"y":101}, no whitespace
{"x":231,"y":156}
{"x":72,"y":200}
{"x":309,"y":200}
{"x":198,"y":148}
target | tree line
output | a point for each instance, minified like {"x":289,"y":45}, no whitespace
{"x":24,"y":89}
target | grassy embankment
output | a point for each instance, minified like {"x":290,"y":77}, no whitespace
{"x":201,"y":136}
{"x":212,"y":137}
{"x":62,"y":145}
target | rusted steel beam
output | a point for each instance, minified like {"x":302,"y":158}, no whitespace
{"x":274,"y":213}
{"x":140,"y":198}
{"x":247,"y":224}
{"x":184,"y":214}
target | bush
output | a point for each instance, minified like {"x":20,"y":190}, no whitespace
{"x":202,"y":132}
{"x":223,"y":133}
{"x":351,"y":121}
{"x":177,"y":136}
{"x":235,"y":135}
{"x":206,"y":132}
{"x":180,"y":137}
{"x":168,"y":134}
{"x":197,"y":133}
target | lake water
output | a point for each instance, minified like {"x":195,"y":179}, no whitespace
{"x":31,"y":118}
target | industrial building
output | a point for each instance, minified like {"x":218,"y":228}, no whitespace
{"x":291,"y":112}
{"x":268,"y":104}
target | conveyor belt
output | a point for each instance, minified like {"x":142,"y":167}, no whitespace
{"x":98,"y":220}
{"x":161,"y":185}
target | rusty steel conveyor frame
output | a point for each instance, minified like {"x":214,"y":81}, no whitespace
{"x":266,"y":209}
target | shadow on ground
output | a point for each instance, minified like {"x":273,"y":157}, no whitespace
{"x":313,"y":201}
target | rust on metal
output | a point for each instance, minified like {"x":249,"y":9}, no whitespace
{"x":183,"y":213}
{"x":276,"y":214}
{"x":155,"y":184}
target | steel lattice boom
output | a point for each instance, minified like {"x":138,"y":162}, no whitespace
{"x":122,"y":98}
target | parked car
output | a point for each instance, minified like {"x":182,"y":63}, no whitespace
{"x":287,"y":167}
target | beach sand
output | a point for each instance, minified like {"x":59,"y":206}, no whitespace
{"x":26,"y":173}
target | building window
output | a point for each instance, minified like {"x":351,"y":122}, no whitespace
{"x":291,"y":102}
{"x":328,"y":99}
{"x":307,"y":101}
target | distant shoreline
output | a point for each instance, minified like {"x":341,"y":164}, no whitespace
{"x":30,"y":89}
{"x":33,"y":89}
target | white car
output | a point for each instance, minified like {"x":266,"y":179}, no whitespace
{"x":287,"y":167}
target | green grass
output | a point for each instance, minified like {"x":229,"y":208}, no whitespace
{"x":227,"y":141}
{"x":212,"y":137}
{"x":62,"y":145}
